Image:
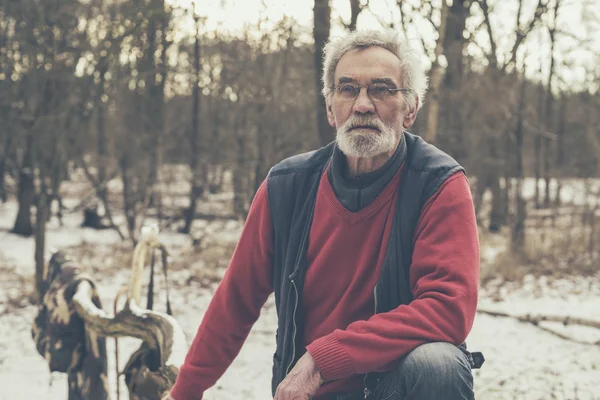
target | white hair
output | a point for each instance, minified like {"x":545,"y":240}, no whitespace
{"x":413,"y":74}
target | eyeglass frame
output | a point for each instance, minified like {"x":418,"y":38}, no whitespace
{"x":391,"y":91}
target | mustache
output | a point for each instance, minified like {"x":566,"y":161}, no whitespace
{"x":358,"y":122}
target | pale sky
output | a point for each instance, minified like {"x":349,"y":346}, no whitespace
{"x":233,"y":14}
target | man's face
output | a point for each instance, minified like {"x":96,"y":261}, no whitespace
{"x":366,"y":128}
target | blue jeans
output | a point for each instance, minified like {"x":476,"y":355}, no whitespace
{"x":432,"y":371}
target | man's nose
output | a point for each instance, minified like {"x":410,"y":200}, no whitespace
{"x":363,"y":103}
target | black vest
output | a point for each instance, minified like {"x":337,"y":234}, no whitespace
{"x":292,"y":188}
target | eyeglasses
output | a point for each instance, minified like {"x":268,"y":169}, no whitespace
{"x":376,"y":91}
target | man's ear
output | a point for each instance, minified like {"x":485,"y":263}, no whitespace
{"x":330,"y":116}
{"x":411,"y":115}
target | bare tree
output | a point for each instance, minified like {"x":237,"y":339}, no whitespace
{"x":436,"y":75}
{"x":547,"y":149}
{"x":196,"y":185}
{"x":322,"y":26}
{"x":491,"y":173}
{"x":356,"y":7}
{"x":518,"y":228}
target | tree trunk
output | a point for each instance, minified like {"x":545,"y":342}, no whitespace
{"x":518,"y":231}
{"x":322,"y":26}
{"x":129,"y":202}
{"x":497,"y":212}
{"x":101,"y":134}
{"x":355,"y":10}
{"x":40,"y":239}
{"x":239,"y":175}
{"x":436,"y":76}
{"x":497,"y":216}
{"x":537,"y":146}
{"x":560,"y":151}
{"x":549,"y":109}
{"x":547,"y":153}
{"x":3,"y":196}
{"x":195,"y":186}
{"x":263,"y":149}
{"x":26,"y":192}
{"x":454,"y":42}
{"x":151,"y":99}
{"x":450,"y":121}
{"x":537,"y":168}
{"x":216,"y":171}
{"x":508,"y":150}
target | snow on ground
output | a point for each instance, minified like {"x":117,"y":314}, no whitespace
{"x":522,"y":362}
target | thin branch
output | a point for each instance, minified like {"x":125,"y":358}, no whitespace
{"x":98,"y":186}
{"x":492,"y":56}
{"x":522,"y":34}
{"x":381,"y":21}
{"x":402,"y":19}
{"x":536,"y":319}
{"x":541,"y":132}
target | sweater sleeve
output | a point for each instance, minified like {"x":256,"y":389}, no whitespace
{"x":444,"y":277}
{"x":235,"y":306}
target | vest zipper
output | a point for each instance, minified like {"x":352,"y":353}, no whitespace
{"x":287,"y":371}
{"x":368,"y":391}
{"x":292,"y":277}
{"x":302,"y":248}
{"x":375,"y":296}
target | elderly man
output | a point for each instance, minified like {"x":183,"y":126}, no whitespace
{"x":370,"y":245}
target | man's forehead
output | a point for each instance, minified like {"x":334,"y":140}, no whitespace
{"x":368,"y":64}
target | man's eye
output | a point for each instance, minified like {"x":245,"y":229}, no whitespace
{"x":347,"y":89}
{"x":380,"y":89}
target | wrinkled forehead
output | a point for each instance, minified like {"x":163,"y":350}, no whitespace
{"x":367,"y":65}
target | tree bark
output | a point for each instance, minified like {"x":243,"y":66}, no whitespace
{"x":560,"y":150}
{"x":26,"y":192}
{"x":436,"y":76}
{"x":355,"y":9}
{"x":322,"y":26}
{"x":152,"y":100}
{"x":129,"y":201}
{"x":3,"y":196}
{"x":40,"y":239}
{"x":451,"y":122}
{"x":101,"y":133}
{"x":518,"y":231}
{"x":497,"y":217}
{"x":537,"y":154}
{"x":455,"y":41}
{"x":549,"y":108}
{"x":195,"y":184}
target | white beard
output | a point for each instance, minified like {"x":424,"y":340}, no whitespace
{"x":365,"y":143}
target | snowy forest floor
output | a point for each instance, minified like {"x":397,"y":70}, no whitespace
{"x":522,"y":361}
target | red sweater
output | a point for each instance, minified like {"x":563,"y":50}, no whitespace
{"x":345,"y":256}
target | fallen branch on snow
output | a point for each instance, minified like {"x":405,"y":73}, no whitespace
{"x":536,"y":319}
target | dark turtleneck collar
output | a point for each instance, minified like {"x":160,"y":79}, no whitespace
{"x":355,"y":193}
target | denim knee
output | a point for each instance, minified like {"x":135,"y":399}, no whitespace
{"x":438,"y":358}
{"x":431,"y":371}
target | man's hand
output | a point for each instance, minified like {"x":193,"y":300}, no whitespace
{"x":302,"y":382}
